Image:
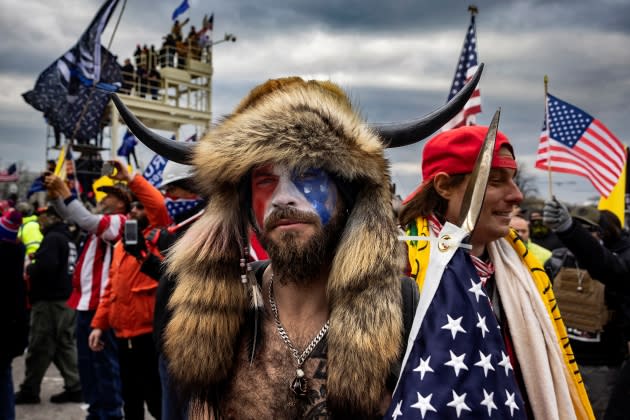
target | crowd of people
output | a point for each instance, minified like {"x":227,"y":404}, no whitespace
{"x":163,"y":302}
{"x":142,"y":76}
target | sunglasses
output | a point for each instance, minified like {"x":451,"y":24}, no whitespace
{"x":137,"y":205}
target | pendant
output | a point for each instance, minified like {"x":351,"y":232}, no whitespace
{"x":298,"y":385}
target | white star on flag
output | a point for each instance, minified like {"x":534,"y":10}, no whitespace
{"x":484,"y":362}
{"x":476,"y":289}
{"x":505,"y":362}
{"x":454,"y":325}
{"x":424,"y":404}
{"x":424,"y":367}
{"x":482,"y":325}
{"x":488,"y":401}
{"x":457,"y":362}
{"x":459,"y":403}
{"x":510,"y":402}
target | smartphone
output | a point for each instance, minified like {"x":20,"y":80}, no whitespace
{"x":108,"y":168}
{"x":131,"y":232}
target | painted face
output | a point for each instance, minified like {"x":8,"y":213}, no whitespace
{"x":275,"y":187}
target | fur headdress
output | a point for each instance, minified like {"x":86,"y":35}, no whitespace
{"x":300,"y":124}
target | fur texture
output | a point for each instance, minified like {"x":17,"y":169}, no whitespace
{"x":300,"y":124}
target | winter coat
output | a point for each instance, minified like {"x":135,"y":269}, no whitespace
{"x":128,"y":302}
{"x":13,"y":317}
{"x":51,"y":270}
{"x":610,"y":266}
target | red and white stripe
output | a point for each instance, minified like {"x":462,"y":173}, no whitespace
{"x":92,"y":271}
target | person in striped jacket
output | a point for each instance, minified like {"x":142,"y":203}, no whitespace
{"x":99,"y":371}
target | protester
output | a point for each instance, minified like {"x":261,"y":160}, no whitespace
{"x":99,"y":371}
{"x":52,"y":322}
{"x":127,"y":304}
{"x":521,"y":226}
{"x":605,"y":254}
{"x":13,"y":315}
{"x":513,"y":280}
{"x":128,"y":76}
{"x":29,"y":232}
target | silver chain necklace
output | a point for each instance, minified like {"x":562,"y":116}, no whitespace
{"x":298,"y":384}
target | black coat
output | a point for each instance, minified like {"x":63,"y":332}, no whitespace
{"x":13,"y":314}
{"x":51,"y":271}
{"x":611,"y":266}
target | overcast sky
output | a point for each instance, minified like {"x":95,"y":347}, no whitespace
{"x":396,"y":59}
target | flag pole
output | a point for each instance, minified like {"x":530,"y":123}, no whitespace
{"x":546,"y":79}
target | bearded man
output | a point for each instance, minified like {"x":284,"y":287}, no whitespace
{"x":319,"y":330}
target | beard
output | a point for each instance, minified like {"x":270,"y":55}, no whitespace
{"x":293,"y":259}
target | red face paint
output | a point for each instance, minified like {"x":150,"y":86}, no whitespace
{"x":264,"y":183}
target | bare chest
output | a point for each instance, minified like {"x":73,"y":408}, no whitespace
{"x":261,"y":390}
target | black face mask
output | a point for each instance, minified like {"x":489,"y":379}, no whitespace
{"x":538,"y":229}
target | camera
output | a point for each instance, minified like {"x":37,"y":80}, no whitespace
{"x":108,"y":168}
{"x":131,"y":232}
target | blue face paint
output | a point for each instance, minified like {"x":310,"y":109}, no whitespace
{"x":319,"y":190}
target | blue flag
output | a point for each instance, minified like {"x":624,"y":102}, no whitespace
{"x":153,"y":171}
{"x":63,"y":89}
{"x":456,"y":364}
{"x":180,"y":9}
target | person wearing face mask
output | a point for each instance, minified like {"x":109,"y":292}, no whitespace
{"x":127,"y":303}
{"x":100,"y":370}
{"x":594,"y":242}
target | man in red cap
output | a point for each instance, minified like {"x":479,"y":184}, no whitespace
{"x":514,"y":282}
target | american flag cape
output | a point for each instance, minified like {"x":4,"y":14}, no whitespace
{"x":466,"y":68}
{"x":63,"y":89}
{"x":456,"y":364}
{"x":574,"y":142}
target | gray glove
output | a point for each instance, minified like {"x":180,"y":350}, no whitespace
{"x":556,"y":216}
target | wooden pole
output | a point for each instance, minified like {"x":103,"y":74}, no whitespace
{"x":549,"y":182}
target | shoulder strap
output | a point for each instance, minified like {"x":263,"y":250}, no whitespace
{"x":410,"y":299}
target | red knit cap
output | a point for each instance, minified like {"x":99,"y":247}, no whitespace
{"x":455,"y":152}
{"x":9,"y":224}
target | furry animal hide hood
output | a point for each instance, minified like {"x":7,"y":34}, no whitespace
{"x":299,"y":124}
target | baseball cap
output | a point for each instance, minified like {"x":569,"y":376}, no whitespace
{"x":121,"y":192}
{"x":455,"y":152}
{"x":587,"y":215}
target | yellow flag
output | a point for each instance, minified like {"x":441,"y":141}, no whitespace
{"x":61,"y":160}
{"x":615,"y":202}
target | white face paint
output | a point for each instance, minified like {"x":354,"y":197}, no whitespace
{"x":276,"y":186}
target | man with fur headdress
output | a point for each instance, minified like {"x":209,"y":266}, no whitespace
{"x":318,"y":331}
{"x":294,"y":160}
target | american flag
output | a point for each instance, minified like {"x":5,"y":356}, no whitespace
{"x":466,"y":68}
{"x":457,"y":365}
{"x":574,"y":142}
